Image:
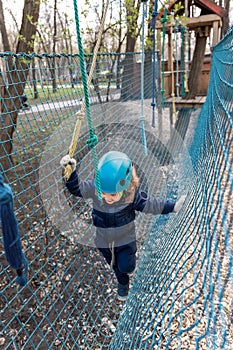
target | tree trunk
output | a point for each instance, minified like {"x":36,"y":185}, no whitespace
{"x":5,"y":40}
{"x":28,"y":27}
{"x":196,"y":66}
{"x":17,"y":70}
{"x":127,"y":90}
{"x":132,"y":13}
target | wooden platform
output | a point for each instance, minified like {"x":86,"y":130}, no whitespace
{"x":183,"y":103}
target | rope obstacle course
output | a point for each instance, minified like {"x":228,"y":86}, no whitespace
{"x":183,"y":280}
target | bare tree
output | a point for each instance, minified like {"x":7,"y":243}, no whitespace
{"x":13,"y":34}
{"x":13,"y":82}
{"x":5,"y":39}
{"x":67,"y":36}
{"x":66,"y":44}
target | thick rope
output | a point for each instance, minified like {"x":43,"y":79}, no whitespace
{"x":142,"y":119}
{"x":172,"y":72}
{"x":176,"y":30}
{"x":164,"y":20}
{"x":183,"y":92}
{"x":92,"y":141}
{"x":186,"y":37}
{"x":154,"y":15}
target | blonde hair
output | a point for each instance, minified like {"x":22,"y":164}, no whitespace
{"x":129,"y":193}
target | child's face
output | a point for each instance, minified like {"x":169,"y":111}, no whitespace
{"x":111,"y":198}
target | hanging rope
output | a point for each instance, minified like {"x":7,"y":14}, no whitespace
{"x":164,"y":20}
{"x":172,"y":71}
{"x":153,"y":24}
{"x":183,"y":92}
{"x":176,"y":30}
{"x":92,"y":141}
{"x":10,"y":233}
{"x":186,"y":37}
{"x":142,"y":119}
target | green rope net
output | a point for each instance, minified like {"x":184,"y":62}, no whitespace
{"x":181,"y":291}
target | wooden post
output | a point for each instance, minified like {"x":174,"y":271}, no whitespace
{"x":159,"y":47}
{"x":160,"y":117}
{"x":215,"y":33}
{"x":172,"y":74}
{"x":169,"y":63}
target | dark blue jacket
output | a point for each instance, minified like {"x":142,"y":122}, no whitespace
{"x":115,"y":222}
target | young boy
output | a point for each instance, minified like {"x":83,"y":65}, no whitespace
{"x":114,"y":215}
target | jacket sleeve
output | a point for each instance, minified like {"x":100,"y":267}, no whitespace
{"x":152,"y":205}
{"x":80,"y":188}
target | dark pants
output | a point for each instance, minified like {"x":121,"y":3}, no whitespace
{"x":125,"y":260}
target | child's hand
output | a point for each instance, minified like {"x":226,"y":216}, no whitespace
{"x":179,"y":204}
{"x":67,"y":160}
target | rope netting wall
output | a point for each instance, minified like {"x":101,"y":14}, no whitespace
{"x":181,"y":292}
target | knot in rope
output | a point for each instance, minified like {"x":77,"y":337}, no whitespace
{"x":153,"y":104}
{"x":21,"y":278}
{"x":80,"y":115}
{"x":164,"y":20}
{"x":92,"y":141}
{"x":153,"y":20}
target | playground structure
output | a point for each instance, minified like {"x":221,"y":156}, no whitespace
{"x":182,"y":287}
{"x":181,"y":60}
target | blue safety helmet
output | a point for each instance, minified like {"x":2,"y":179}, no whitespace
{"x":115,"y":172}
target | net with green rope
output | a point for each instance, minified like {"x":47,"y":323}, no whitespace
{"x":181,"y":291}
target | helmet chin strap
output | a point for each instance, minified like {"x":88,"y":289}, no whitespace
{"x":121,"y":193}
